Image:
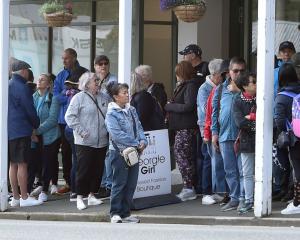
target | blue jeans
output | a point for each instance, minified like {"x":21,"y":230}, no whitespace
{"x":70,"y":138}
{"x":206,"y":170}
{"x":217,"y":167}
{"x":124,"y":181}
{"x":248,"y":162}
{"x":233,"y":171}
{"x":106,"y":181}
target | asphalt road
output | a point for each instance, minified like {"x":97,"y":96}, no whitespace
{"x":43,"y":230}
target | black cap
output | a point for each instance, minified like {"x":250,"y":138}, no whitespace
{"x":225,"y":66}
{"x":17,"y":65}
{"x":287,"y":44}
{"x":192,"y":48}
{"x":100,"y":58}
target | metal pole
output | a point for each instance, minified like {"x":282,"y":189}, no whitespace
{"x":125,"y":34}
{"x":4,"y":53}
{"x":264,"y":115}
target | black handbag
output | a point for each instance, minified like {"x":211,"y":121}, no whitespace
{"x":287,"y":138}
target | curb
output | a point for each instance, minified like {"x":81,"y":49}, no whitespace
{"x":156,"y":219}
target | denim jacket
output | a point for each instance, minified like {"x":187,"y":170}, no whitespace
{"x":48,"y":128}
{"x":228,"y":130}
{"x":119,"y":124}
{"x":202,"y":97}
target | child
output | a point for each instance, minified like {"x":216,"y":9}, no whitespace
{"x":244,"y":115}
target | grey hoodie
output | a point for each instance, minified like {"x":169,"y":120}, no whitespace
{"x":86,"y":120}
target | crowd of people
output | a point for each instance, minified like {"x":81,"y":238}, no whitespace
{"x":92,"y":119}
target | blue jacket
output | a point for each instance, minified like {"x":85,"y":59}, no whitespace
{"x":228,"y":130}
{"x":202,"y":97}
{"x":48,"y":128}
{"x":59,"y":91}
{"x":120,"y":127}
{"x":22,"y":116}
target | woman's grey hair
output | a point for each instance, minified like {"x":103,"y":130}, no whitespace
{"x":145,"y":71}
{"x":214,"y":66}
{"x":137,"y":84}
{"x":85,"y":79}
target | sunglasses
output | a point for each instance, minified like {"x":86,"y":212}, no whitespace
{"x":238,"y":70}
{"x":103,"y":63}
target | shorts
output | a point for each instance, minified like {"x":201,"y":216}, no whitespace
{"x":19,"y":150}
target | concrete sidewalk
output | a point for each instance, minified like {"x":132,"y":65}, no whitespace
{"x":59,"y":208}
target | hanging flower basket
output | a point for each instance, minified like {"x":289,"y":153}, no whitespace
{"x":58,"y":19}
{"x":189,"y":13}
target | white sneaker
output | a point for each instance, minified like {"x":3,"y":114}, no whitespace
{"x":29,"y":202}
{"x":53,"y":189}
{"x":36,"y":191}
{"x":218,"y":198}
{"x":92,"y":201}
{"x":131,"y":219}
{"x":43,"y":197}
{"x":80,"y":204}
{"x":208,"y":200}
{"x":116,"y":219}
{"x":291,"y":209}
{"x":188,"y":194}
{"x":182,"y":192}
{"x":14,"y":202}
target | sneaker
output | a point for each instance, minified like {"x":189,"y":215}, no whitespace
{"x":131,"y":219}
{"x":92,"y":201}
{"x":104,"y":192}
{"x":80,"y":204}
{"x":241,"y":205}
{"x":53,"y":189}
{"x":181,"y":193}
{"x":73,"y":197}
{"x":291,"y":209}
{"x":29,"y":202}
{"x":248,"y":207}
{"x":116,"y":219}
{"x":225,"y":200}
{"x":208,"y":200}
{"x":218,"y":198}
{"x":230,"y":206}
{"x":63,"y":190}
{"x":43,"y":197}
{"x":36,"y":191}
{"x":188,"y":194}
{"x":14,"y":202}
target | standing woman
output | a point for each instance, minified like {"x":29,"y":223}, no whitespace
{"x":182,"y":117}
{"x":86,"y":115}
{"x":48,"y":133}
{"x":125,"y":131}
{"x":288,"y":82}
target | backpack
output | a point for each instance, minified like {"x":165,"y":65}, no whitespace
{"x":295,"y":111}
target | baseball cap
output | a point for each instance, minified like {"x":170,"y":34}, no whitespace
{"x":192,"y":48}
{"x":17,"y":65}
{"x":287,"y":44}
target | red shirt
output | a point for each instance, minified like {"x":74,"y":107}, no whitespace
{"x":207,"y":130}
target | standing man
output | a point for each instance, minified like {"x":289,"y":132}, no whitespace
{"x":193,"y":54}
{"x":102,"y":66}
{"x":22,"y":119}
{"x":71,"y":64}
{"x":225,"y":132}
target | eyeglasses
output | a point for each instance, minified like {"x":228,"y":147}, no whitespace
{"x":238,"y":70}
{"x":103,"y":63}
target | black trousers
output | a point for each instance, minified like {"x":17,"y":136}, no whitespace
{"x":49,"y":159}
{"x":295,"y":160}
{"x":66,"y":155}
{"x":89,"y":169}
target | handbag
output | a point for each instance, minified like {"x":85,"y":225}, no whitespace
{"x":286,"y":138}
{"x":131,"y":156}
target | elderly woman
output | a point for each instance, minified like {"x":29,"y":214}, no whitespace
{"x":182,"y":117}
{"x":157,"y":90}
{"x":48,"y":133}
{"x":125,"y":131}
{"x":86,"y":115}
{"x":148,"y":109}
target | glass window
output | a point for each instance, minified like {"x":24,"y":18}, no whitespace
{"x":152,"y":11}
{"x":25,"y":14}
{"x":81,"y":11}
{"x":30,"y":44}
{"x":107,"y":41}
{"x":77,"y":38}
{"x":158,"y":53}
{"x":107,"y":10}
